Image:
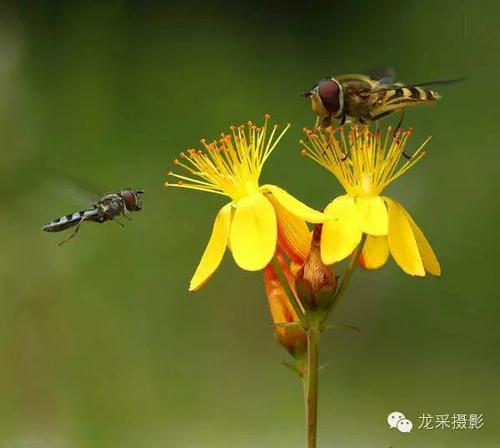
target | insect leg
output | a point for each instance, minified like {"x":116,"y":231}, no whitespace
{"x":398,"y":129}
{"x":65,"y":240}
{"x":112,"y":218}
{"x":382,"y":115}
{"x":317,"y":122}
{"x":342,"y":159}
{"x":327,"y":121}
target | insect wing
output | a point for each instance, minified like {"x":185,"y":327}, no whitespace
{"x":384,"y":76}
{"x":443,"y":82}
{"x":74,"y":191}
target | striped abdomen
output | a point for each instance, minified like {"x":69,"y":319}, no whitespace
{"x":401,"y":97}
{"x":64,"y":222}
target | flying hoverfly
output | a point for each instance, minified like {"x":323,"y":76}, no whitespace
{"x":106,"y":208}
{"x":365,"y":98}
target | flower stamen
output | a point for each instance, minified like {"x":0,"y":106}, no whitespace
{"x":231,"y":165}
{"x":364,"y":162}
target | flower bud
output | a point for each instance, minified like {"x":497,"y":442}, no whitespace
{"x":315,"y":282}
{"x":288,"y":330}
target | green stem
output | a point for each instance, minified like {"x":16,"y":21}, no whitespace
{"x":311,"y":385}
{"x":345,"y":279}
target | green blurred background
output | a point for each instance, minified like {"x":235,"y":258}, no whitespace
{"x":100,"y":343}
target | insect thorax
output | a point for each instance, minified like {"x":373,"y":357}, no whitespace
{"x":111,"y":206}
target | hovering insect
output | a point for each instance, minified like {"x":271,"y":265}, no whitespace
{"x":365,"y":98}
{"x":107,"y":208}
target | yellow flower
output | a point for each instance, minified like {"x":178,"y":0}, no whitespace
{"x":365,"y":163}
{"x":257,"y":216}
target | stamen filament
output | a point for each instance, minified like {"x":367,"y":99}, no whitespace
{"x":232,"y":164}
{"x":363,"y":162}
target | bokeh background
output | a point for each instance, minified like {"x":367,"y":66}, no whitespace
{"x":100,"y":343}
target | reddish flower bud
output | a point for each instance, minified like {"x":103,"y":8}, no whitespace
{"x":287,"y":327}
{"x":315,"y":282}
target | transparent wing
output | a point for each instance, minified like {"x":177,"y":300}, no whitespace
{"x":384,"y":76}
{"x":73,"y":191}
{"x":442,"y":82}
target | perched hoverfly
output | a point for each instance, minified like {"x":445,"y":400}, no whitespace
{"x":365,"y":98}
{"x":107,"y":208}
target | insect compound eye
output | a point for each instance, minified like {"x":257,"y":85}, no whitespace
{"x":329,"y":92}
{"x":131,"y":200}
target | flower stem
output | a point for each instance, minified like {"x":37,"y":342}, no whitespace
{"x":311,"y":384}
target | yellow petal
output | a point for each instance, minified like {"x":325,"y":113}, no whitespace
{"x":294,"y":237}
{"x":402,"y":243}
{"x":375,"y":252}
{"x":294,"y":206}
{"x":341,"y":235}
{"x":373,"y":215}
{"x":215,"y":249}
{"x":253,"y":232}
{"x":431,"y":263}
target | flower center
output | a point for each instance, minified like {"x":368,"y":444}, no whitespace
{"x":362,"y":161}
{"x":366,"y":184}
{"x":231,"y":165}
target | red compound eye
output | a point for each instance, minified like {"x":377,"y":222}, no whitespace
{"x":329,"y":92}
{"x":131,"y":200}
